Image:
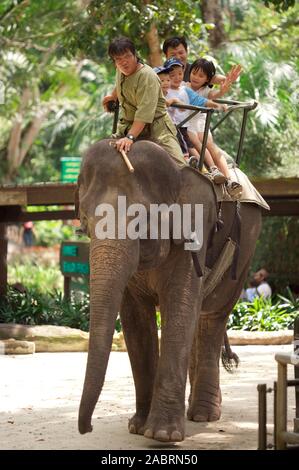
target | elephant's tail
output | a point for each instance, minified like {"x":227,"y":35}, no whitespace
{"x":229,"y":359}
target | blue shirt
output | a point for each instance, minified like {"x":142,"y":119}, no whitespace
{"x":194,"y":98}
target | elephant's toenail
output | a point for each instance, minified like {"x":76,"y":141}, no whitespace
{"x":148,"y":433}
{"x":132,"y":429}
{"x":176,"y":436}
{"x":200,"y":418}
{"x":162,"y":435}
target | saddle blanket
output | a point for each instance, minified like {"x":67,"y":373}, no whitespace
{"x":249,"y":193}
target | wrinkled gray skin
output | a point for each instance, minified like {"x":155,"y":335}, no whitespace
{"x":133,"y":276}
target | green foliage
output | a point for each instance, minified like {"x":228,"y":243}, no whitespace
{"x":273,"y":127}
{"x":50,"y":57}
{"x":280,"y":5}
{"x":53,"y":232}
{"x":158,"y":319}
{"x":264,"y":314}
{"x":118,"y":327}
{"x":108,"y":19}
{"x":34,"y":274}
{"x":36,"y":308}
{"x":280,"y":256}
{"x":262,"y":42}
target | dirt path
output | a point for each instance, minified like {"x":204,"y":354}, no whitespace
{"x":40,"y":396}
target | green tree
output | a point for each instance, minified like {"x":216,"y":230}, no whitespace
{"x":30,"y":40}
{"x":271,"y":76}
{"x":146,"y":22}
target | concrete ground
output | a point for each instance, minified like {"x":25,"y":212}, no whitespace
{"x":40,"y":397}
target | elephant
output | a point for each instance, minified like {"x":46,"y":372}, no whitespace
{"x":133,"y":276}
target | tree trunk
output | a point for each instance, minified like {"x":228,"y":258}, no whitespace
{"x":152,"y":38}
{"x":211,"y":13}
{"x":19,"y":145}
{"x":13,"y":147}
{"x":31,"y":134}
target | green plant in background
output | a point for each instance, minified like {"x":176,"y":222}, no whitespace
{"x":36,"y":308}
{"x":264,"y":314}
{"x":35,"y":275}
{"x":52,"y":232}
{"x":291,"y":303}
{"x":158,"y":319}
{"x":118,"y":327}
{"x":272,"y":128}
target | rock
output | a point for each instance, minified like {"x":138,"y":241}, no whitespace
{"x":118,"y":343}
{"x":47,"y":338}
{"x":239,"y":337}
{"x":12,"y":346}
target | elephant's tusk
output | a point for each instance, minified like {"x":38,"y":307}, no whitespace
{"x":127,"y":161}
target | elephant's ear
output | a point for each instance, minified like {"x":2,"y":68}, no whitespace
{"x":198,"y":204}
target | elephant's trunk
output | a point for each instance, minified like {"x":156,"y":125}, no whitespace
{"x":112,"y":263}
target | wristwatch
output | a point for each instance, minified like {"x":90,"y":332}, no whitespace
{"x":131,"y":137}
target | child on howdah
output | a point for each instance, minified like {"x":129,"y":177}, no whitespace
{"x":214,"y":159}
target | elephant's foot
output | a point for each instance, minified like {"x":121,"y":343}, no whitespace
{"x":205,"y":407}
{"x":84,"y":425}
{"x":165,"y":429}
{"x":137,"y":423}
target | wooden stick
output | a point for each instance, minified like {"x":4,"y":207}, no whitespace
{"x":127,"y":161}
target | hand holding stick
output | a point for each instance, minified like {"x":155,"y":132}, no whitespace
{"x":125,"y":157}
{"x":127,"y":161}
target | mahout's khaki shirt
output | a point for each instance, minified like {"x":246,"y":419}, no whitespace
{"x":141,"y":99}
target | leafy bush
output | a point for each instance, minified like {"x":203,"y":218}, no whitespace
{"x":52,"y":232}
{"x":36,"y":276}
{"x":264,"y":314}
{"x":35,"y":308}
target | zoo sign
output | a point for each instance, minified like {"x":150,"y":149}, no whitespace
{"x":74,"y":259}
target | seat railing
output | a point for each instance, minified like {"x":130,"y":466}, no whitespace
{"x":232,"y":106}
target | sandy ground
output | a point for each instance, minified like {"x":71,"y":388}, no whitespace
{"x":40,"y":396}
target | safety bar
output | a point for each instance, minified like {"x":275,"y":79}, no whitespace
{"x":233,"y":105}
{"x":252,"y":104}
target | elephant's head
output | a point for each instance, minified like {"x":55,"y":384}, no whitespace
{"x":103,"y":179}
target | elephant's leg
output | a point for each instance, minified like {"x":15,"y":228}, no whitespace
{"x":205,"y":396}
{"x":138,"y":319}
{"x":178,"y":305}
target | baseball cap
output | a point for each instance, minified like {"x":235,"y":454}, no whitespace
{"x":172,"y":62}
{"x":160,"y":69}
